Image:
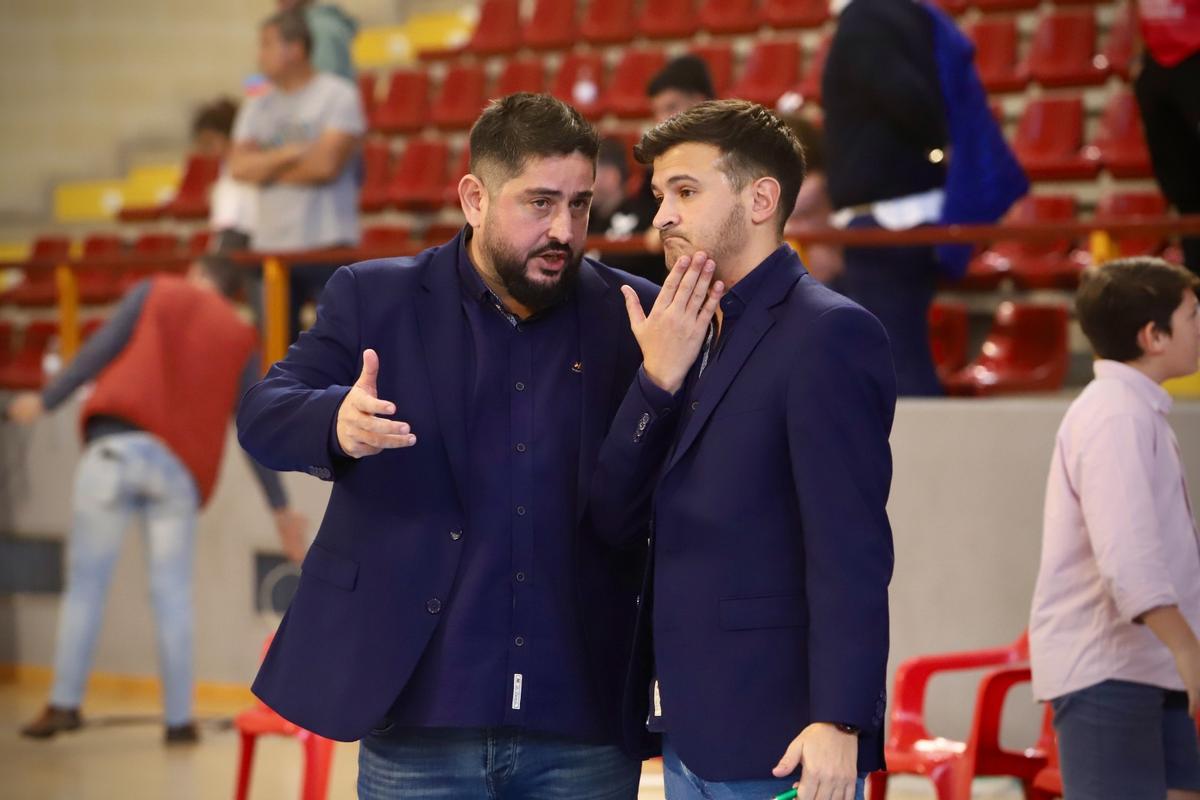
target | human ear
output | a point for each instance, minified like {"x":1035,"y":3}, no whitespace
{"x":764,"y":200}
{"x":1152,"y":339}
{"x":473,"y":197}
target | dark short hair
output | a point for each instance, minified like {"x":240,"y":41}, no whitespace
{"x":812,"y":142}
{"x":523,"y":126}
{"x":1118,"y":299}
{"x":292,"y":26}
{"x":753,"y":141}
{"x":612,"y":153}
{"x":223,"y":272}
{"x":688,"y":73}
{"x":215,"y":116}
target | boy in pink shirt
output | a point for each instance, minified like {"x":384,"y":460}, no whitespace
{"x":1117,"y":604}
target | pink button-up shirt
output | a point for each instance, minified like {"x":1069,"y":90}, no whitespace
{"x":1118,"y":540}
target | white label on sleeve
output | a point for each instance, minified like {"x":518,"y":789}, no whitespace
{"x":517,"y":680}
{"x":657,"y":701}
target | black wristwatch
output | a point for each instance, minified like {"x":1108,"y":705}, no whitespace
{"x":853,"y":730}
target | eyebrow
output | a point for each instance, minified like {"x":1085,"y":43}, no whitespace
{"x":674,"y":179}
{"x":541,"y":191}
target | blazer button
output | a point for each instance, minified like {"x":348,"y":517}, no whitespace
{"x":434,"y":606}
{"x":695,"y":404}
{"x":455,"y":534}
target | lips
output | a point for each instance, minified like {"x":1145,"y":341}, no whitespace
{"x":552,"y":261}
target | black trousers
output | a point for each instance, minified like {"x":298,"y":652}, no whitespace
{"x":1169,"y":98}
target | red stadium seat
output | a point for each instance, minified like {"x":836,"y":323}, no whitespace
{"x":1120,"y":141}
{"x":377,"y":165}
{"x":579,"y":81}
{"x":1063,"y":51}
{"x":191,"y":200}
{"x":156,"y":244}
{"x":1049,"y":138}
{"x":626,"y":93}
{"x":440,"y":233}
{"x":419,"y":177}
{"x":729,"y":16}
{"x":499,"y":28}
{"x":996,"y":54}
{"x":7,"y":343}
{"x":24,"y":368}
{"x":521,"y":75}
{"x":668,"y":19}
{"x":1118,"y":53}
{"x":198,"y":243}
{"x":461,"y":168}
{"x":772,"y":68}
{"x":100,"y":283}
{"x":794,"y":13}
{"x":719,"y":58}
{"x":607,"y":22}
{"x":1039,"y":265}
{"x":386,"y":237}
{"x":461,"y":97}
{"x":38,"y":287}
{"x":406,"y":107}
{"x":1125,"y":206}
{"x":810,"y":86}
{"x":1003,"y":5}
{"x":367,"y":83}
{"x":1026,"y":351}
{"x":552,"y":26}
{"x":948,"y":332}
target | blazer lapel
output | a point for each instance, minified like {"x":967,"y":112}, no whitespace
{"x":440,"y":322}
{"x":600,"y":307}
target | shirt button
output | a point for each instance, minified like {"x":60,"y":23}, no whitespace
{"x":519,"y":386}
{"x":433,"y":606}
{"x":520,"y":447}
{"x":519,"y":641}
{"x":520,"y":511}
{"x":520,"y":577}
{"x":456,"y":534}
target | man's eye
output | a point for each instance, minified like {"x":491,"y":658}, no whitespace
{"x":686,"y":192}
{"x":541,"y":202}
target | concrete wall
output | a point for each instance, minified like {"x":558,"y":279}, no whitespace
{"x":966,"y":510}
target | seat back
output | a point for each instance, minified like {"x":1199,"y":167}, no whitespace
{"x":668,"y":19}
{"x":607,"y":21}
{"x":498,"y":29}
{"x":418,"y":180}
{"x":521,"y":75}
{"x":461,"y":97}
{"x":1050,"y":126}
{"x":995,"y":51}
{"x":772,"y":68}
{"x":551,"y":26}
{"x":383,"y":237}
{"x":810,"y":86}
{"x":794,"y":13}
{"x":948,"y":334}
{"x":50,"y":248}
{"x":1128,"y":205}
{"x":1030,"y":340}
{"x":1063,"y":49}
{"x":719,"y":58}
{"x":1118,"y":52}
{"x":580,"y":81}
{"x":406,"y":106}
{"x":728,"y":16}
{"x":626,"y":93}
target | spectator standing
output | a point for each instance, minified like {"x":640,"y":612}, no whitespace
{"x":333,"y":33}
{"x":233,"y":204}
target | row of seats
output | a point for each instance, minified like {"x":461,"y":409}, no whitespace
{"x":22,"y":358}
{"x":97,"y":284}
{"x":1026,"y":350}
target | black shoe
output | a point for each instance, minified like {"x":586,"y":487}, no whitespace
{"x":52,"y":721}
{"x":182,"y":734}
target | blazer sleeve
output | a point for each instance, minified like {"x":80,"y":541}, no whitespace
{"x":284,"y":421}
{"x":841,"y":402}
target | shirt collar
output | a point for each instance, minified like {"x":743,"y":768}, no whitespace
{"x":742,"y":294}
{"x":1156,"y":396}
{"x":469,"y":277}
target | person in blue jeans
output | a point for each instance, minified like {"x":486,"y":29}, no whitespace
{"x":168,"y":369}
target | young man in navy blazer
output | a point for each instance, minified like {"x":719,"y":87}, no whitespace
{"x":764,"y":468}
{"x":455,"y":612}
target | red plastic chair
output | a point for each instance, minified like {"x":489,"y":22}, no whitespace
{"x":521,"y":75}
{"x":146,"y":245}
{"x":912,"y":750}
{"x":719,"y":58}
{"x":367,"y":83}
{"x":419,"y":178}
{"x":377,"y":166}
{"x":262,"y":721}
{"x":191,"y":200}
{"x":1026,"y":351}
{"x":461,"y":97}
{"x":607,"y":22}
{"x":100,"y":284}
{"x":996,"y":54}
{"x":37,"y":286}
{"x":406,"y":107}
{"x":810,"y":86}
{"x":626,"y":93}
{"x":1118,"y":53}
{"x":580,"y":81}
{"x":24,"y":368}
{"x":668,"y":19}
{"x":440,"y":233}
{"x":772,"y":68}
{"x":1004,"y":5}
{"x":7,"y":343}
{"x":1040,"y":265}
{"x":948,"y":332}
{"x":551,"y":27}
{"x":1120,"y":141}
{"x":384,"y":237}
{"x":728,"y":16}
{"x":498,"y":30}
{"x":1126,"y":206}
{"x":781,"y":14}
{"x":1049,"y":140}
{"x":1063,"y":51}
{"x":1047,"y":784}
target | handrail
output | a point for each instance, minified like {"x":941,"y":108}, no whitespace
{"x":1101,"y":235}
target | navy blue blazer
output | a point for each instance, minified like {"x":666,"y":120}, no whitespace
{"x":385,"y":557}
{"x":767,"y":601}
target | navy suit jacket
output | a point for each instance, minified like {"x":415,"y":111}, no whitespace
{"x":386,"y":554}
{"x":767,"y":599}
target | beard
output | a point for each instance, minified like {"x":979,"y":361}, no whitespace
{"x":513,"y":270}
{"x":731,"y":237}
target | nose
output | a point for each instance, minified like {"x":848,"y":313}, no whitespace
{"x":667,"y":216}
{"x":561,"y":227}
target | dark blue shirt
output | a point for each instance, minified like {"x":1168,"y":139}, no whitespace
{"x":508,"y":651}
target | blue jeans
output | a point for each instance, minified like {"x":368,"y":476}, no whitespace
{"x":1120,"y":740}
{"x":493,"y":763}
{"x":122,"y":477}
{"x":683,"y":784}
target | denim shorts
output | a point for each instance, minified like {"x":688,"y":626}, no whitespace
{"x":1119,"y":740}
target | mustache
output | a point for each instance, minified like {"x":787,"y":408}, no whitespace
{"x":551,"y":248}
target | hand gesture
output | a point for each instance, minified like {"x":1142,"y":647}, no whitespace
{"x":829,"y":759}
{"x":671,"y":336}
{"x":360,"y":430}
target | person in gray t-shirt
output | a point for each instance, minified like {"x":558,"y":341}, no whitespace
{"x":300,"y":143}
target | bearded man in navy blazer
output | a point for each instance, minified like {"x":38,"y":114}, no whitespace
{"x":765,"y":469}
{"x":455,"y":611}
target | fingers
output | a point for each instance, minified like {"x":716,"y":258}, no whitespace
{"x":687,"y":284}
{"x":791,"y":759}
{"x":710,"y":303}
{"x":700,"y":292}
{"x":368,"y":403}
{"x":370,"y":371}
{"x":850,"y":791}
{"x":673,"y":278}
{"x":633,"y":306}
